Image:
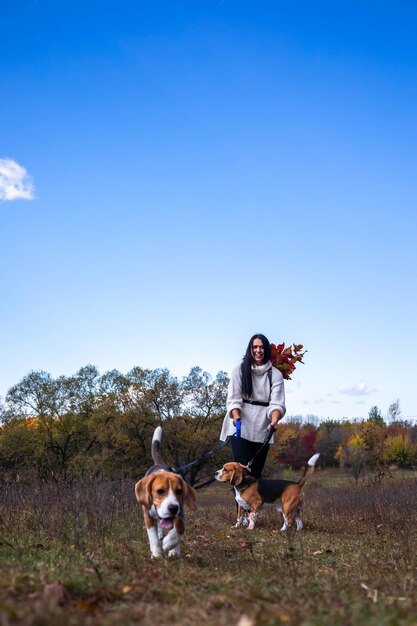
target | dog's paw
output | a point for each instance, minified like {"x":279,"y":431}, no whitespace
{"x":156,"y":554}
{"x":171,"y":540}
{"x":175,"y":552}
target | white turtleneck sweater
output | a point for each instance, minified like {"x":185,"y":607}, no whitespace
{"x":254,"y":419}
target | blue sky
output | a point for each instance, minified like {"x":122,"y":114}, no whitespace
{"x":176,"y":176}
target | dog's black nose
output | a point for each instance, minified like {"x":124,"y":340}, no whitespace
{"x":173,"y":509}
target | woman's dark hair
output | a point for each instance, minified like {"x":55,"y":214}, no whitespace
{"x":246,"y":367}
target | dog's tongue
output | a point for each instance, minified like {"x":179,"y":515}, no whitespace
{"x":166,"y":523}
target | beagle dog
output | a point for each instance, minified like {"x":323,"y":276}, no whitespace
{"x":163,"y":494}
{"x":252,"y":493}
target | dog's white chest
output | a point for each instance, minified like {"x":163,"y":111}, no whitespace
{"x":241,"y":501}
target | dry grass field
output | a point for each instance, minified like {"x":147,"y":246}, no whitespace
{"x":73,"y":554}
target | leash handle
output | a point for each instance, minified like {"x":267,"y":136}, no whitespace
{"x":238,"y":429}
{"x":269,"y":434}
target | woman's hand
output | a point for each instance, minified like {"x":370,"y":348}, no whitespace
{"x":235,"y":415}
{"x":275,"y":417}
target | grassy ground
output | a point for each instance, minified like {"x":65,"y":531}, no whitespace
{"x":77,"y":554}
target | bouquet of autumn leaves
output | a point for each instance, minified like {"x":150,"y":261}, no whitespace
{"x":284,"y":359}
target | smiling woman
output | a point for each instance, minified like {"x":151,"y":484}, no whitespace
{"x":256,"y":402}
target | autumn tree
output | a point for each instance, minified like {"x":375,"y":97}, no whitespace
{"x":373,"y":435}
{"x":394,"y":411}
{"x":197,"y":428}
{"x":83,"y":391}
{"x":285,"y":437}
{"x":296,"y":443}
{"x":400,"y":450}
{"x":375,"y":416}
{"x":58,"y":432}
{"x":159,"y":389}
{"x":330,"y":435}
{"x":37,"y":394}
{"x":353,"y":455}
{"x":121,"y":429}
{"x":20,"y":448}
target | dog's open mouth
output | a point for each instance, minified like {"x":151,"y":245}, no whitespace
{"x":166,"y":522}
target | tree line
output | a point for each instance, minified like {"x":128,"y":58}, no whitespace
{"x":371,"y":443}
{"x":90,"y":424}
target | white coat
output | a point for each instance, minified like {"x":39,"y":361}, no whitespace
{"x":254,"y":419}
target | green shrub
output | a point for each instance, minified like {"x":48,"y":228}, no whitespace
{"x":400,"y":450}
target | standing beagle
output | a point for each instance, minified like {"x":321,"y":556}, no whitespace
{"x":163,"y":494}
{"x":252,"y":493}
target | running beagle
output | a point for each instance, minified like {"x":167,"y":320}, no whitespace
{"x":252,"y":493}
{"x":163,"y":494}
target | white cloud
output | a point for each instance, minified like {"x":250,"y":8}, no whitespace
{"x":15,"y":182}
{"x":316,"y":401}
{"x":361,"y":389}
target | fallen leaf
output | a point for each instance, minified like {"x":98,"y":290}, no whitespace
{"x":86,"y":605}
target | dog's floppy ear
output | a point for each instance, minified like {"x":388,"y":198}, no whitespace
{"x":238,"y":474}
{"x":143,"y":491}
{"x":190,"y":495}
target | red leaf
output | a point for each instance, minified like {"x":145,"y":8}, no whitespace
{"x":284,"y":359}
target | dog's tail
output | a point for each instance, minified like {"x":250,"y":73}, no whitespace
{"x":308,"y":470}
{"x":156,"y":446}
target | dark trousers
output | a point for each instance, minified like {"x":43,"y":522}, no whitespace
{"x":244,"y":451}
